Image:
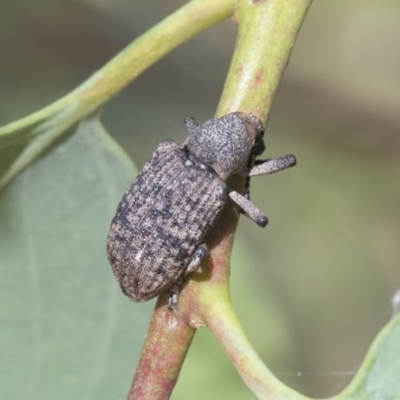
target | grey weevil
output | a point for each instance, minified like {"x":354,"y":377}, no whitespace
{"x":157,"y":234}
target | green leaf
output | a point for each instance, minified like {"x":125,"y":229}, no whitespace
{"x":22,"y":141}
{"x":67,"y":331}
{"x":378,"y":377}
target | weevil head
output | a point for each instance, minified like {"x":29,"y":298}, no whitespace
{"x":226,"y":144}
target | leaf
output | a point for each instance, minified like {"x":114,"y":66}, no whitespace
{"x":67,"y":331}
{"x":21,"y":142}
{"x":378,"y":377}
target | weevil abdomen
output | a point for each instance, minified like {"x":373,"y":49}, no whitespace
{"x":161,"y":220}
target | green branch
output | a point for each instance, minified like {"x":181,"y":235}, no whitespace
{"x":267,"y":32}
{"x":39,"y":130}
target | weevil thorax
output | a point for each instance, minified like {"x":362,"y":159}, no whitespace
{"x":226,"y":144}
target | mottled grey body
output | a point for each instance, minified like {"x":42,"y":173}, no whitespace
{"x":157,"y":234}
{"x":161,"y":220}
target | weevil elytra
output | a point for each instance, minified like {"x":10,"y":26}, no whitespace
{"x":157,"y":234}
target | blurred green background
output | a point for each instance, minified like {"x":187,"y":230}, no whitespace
{"x":314,"y":288}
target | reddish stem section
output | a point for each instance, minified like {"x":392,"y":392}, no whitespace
{"x":165,"y":348}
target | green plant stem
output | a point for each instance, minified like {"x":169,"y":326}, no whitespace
{"x":267,"y":33}
{"x":54,"y":120}
{"x":147,"y":49}
{"x":222,"y":321}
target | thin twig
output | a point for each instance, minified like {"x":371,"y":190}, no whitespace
{"x":51,"y":122}
{"x":267,"y":31}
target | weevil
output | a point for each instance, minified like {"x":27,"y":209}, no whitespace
{"x":157,"y":235}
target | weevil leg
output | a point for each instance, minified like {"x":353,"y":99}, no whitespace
{"x":249,"y":209}
{"x":197,"y":258}
{"x":190,"y":124}
{"x":174,"y":292}
{"x":264,"y":167}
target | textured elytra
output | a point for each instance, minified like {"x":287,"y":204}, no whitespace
{"x":157,"y":235}
{"x":161,"y":220}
